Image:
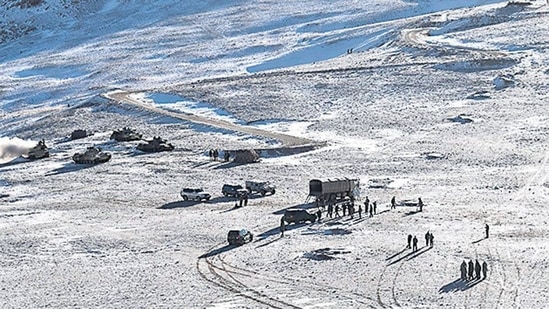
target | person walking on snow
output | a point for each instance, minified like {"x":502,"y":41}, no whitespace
{"x":463,"y":270}
{"x":420,"y":204}
{"x":374,"y":205}
{"x":414,"y":243}
{"x":427,"y":238}
{"x":431,"y":239}
{"x":393,"y":202}
{"x":470,"y":270}
{"x":478,"y":268}
{"x":359,"y":211}
{"x":409,"y":242}
{"x":487,"y":229}
{"x":484,"y":269}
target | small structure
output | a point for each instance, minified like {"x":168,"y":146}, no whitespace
{"x":245,"y":156}
{"x":157,"y":144}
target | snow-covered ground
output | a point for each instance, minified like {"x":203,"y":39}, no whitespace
{"x":443,"y":100}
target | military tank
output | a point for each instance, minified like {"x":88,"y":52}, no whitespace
{"x":38,"y":152}
{"x":157,"y":144}
{"x":92,"y":155}
{"x":79,"y":133}
{"x":125,"y":135}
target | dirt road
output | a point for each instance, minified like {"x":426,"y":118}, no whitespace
{"x":286,"y":140}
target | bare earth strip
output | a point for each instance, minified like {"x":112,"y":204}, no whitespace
{"x":287,"y":141}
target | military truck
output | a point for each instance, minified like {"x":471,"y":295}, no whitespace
{"x":334,"y":189}
{"x":260,"y":186}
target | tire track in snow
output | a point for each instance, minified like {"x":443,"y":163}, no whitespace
{"x":251,"y":285}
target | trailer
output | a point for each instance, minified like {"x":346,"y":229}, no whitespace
{"x":333,"y":190}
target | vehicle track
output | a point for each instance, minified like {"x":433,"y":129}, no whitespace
{"x":216,"y":276}
{"x":286,"y":140}
{"x":251,"y":284}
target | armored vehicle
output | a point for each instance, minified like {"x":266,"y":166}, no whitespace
{"x":157,"y":144}
{"x":239,"y":237}
{"x":38,"y":152}
{"x":76,"y":134}
{"x":125,"y":135}
{"x":260,"y":186}
{"x":298,"y":216}
{"x":93,"y":155}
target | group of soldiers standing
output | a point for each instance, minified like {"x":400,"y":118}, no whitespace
{"x":214,"y":154}
{"x":472,"y":270}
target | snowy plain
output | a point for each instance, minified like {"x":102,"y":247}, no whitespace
{"x":443,"y":100}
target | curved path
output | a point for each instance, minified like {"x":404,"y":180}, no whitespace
{"x":286,"y":140}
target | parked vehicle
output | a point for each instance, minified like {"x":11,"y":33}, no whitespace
{"x":298,"y":216}
{"x":239,"y":237}
{"x":331,"y":190}
{"x":125,"y":135}
{"x":157,"y":144}
{"x":195,"y":194}
{"x":233,"y":190}
{"x":92,"y":155}
{"x":260,"y":186}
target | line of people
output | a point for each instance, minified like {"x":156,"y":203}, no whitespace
{"x":472,"y":270}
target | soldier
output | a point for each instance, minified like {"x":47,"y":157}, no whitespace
{"x":330,"y":210}
{"x":352,"y":210}
{"x":374,"y":205}
{"x":484,"y":269}
{"x":226,"y":155}
{"x":470,"y":269}
{"x":477,"y":269}
{"x":371,"y":212}
{"x":414,"y":243}
{"x":282,"y":226}
{"x":420,"y":204}
{"x":431,"y":239}
{"x":246,"y":200}
{"x":359,"y":211}
{"x":211,"y":154}
{"x":319,"y":214}
{"x":409,"y":242}
{"x":215,"y":154}
{"x":463,"y":269}
{"x":393,"y":203}
{"x":366,"y":204}
{"x":337,"y":211}
{"x":427,"y":238}
{"x":487,"y":229}
{"x":344,"y":207}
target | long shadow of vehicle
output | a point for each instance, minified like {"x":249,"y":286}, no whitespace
{"x":179,"y":204}
{"x":276,"y":230}
{"x":69,"y":167}
{"x":218,"y":251}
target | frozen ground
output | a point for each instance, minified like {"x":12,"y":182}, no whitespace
{"x":444,"y":100}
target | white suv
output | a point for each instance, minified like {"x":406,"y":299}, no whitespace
{"x":195,"y":194}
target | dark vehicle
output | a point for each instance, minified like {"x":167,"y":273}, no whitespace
{"x":239,"y":237}
{"x":331,"y":190}
{"x":76,"y":134}
{"x":157,"y":144}
{"x":298,"y":216}
{"x":38,"y":152}
{"x":125,"y":135}
{"x":196,"y":194}
{"x":93,"y":155}
{"x":233,"y":190}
